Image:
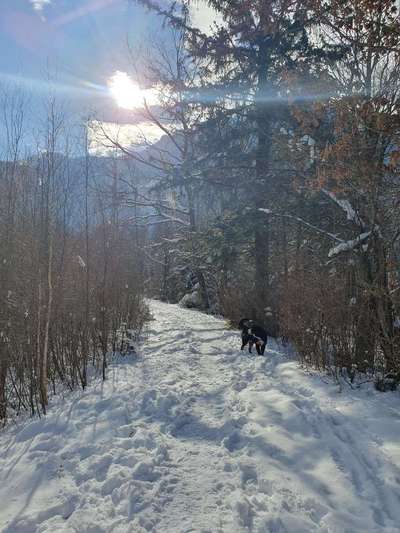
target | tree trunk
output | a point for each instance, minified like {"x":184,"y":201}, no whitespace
{"x":43,"y":364}
{"x":262,"y":189}
{"x":198,"y":272}
{"x":3,"y":378}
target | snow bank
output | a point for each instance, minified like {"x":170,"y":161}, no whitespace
{"x":191,"y":300}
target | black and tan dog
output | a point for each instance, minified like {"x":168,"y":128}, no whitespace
{"x":253,"y":334}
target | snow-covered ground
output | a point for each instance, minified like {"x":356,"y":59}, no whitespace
{"x":196,"y":436}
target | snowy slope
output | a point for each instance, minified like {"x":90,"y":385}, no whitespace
{"x":196,"y":436}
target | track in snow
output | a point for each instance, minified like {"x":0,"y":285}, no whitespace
{"x":196,"y":436}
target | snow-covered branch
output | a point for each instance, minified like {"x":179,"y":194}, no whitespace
{"x":304,"y":222}
{"x":347,"y":246}
{"x":345,"y":205}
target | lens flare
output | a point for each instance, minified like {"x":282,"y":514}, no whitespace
{"x":126,"y":92}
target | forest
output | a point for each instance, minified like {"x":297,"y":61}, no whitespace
{"x":271,"y":192}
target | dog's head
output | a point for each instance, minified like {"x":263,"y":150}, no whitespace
{"x":245,"y":324}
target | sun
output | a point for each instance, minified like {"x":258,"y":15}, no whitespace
{"x":125,"y":91}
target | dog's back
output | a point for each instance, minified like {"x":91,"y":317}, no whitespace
{"x":259,"y":332}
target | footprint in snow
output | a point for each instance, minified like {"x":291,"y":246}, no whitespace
{"x":240,"y":385}
{"x":248,"y":473}
{"x":233,"y":441}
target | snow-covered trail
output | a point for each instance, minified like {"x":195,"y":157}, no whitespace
{"x":197,"y":436}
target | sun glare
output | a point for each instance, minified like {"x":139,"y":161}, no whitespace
{"x":126,"y":92}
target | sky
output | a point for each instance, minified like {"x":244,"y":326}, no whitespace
{"x":79,"y":45}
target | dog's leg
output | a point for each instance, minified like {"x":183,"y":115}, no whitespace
{"x":263,"y":348}
{"x":250,"y":346}
{"x":245,"y":340}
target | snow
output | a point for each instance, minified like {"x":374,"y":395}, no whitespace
{"x":351,"y":214}
{"x":192,"y":299}
{"x":347,"y":246}
{"x":81,"y":261}
{"x":193,"y":435}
